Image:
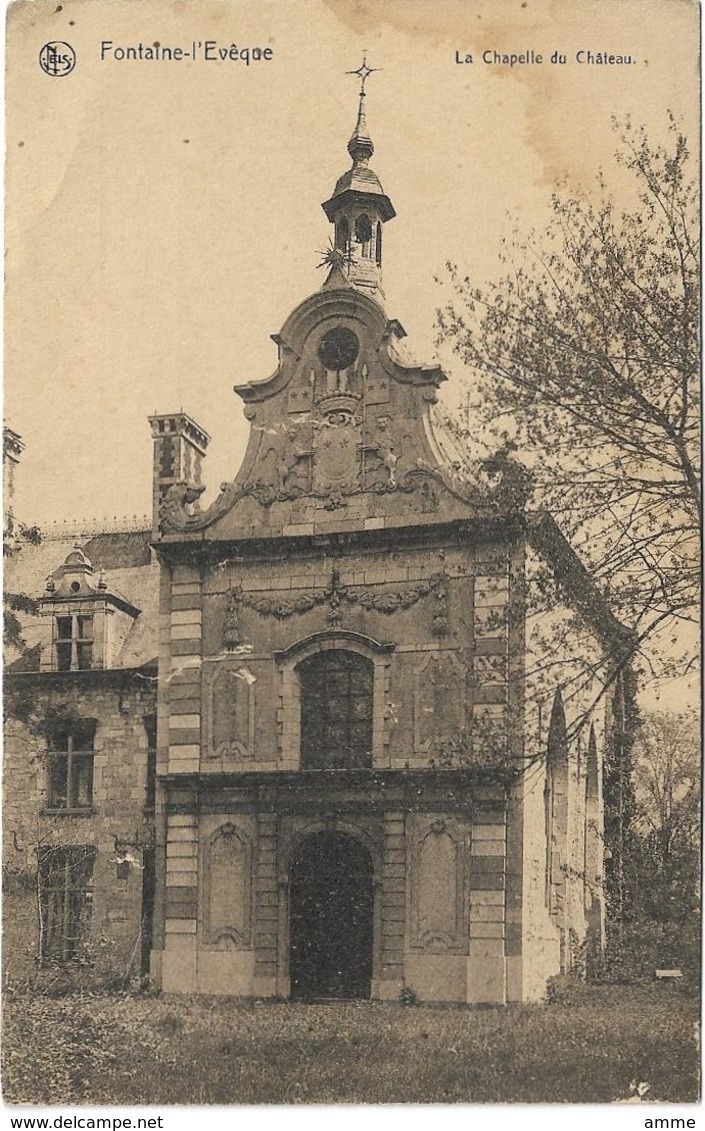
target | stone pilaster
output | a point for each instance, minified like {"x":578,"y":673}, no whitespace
{"x":266,"y":909}
{"x":181,"y":904}
{"x":392,"y":910}
{"x":486,"y":978}
{"x":182,"y":632}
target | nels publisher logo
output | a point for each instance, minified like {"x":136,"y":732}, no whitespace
{"x":57,"y":58}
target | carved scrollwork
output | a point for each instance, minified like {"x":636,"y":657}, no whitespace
{"x":279,"y":607}
{"x":282,"y":607}
{"x":180,"y":508}
{"x":387,"y":486}
{"x":338,"y":448}
{"x":180,"y":504}
{"x":267,"y":494}
{"x":335,"y":500}
{"x":392,"y":601}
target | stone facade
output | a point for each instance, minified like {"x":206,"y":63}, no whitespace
{"x":362,"y":787}
{"x":97,"y":813}
{"x":480,"y":891}
{"x":117,"y":827}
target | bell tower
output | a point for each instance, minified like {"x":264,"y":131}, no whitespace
{"x":359,"y":207}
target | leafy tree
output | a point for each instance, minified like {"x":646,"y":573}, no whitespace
{"x":661,"y":926}
{"x":16,"y":536}
{"x":668,"y":797}
{"x":587,"y":349}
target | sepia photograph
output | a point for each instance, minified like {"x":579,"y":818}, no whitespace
{"x":352,"y":558}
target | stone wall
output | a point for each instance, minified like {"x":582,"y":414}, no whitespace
{"x":118,"y":827}
{"x":440,"y":620}
{"x":567,"y":677}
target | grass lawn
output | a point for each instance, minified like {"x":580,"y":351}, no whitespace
{"x":117,"y":1049}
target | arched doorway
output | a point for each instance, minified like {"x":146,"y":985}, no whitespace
{"x":331,"y":911}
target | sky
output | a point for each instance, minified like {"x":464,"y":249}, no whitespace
{"x":163,"y":219}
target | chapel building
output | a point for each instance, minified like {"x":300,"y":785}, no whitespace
{"x":333,"y":762}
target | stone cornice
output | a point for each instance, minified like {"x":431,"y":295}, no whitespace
{"x":258,"y":542}
{"x":145,"y":672}
{"x":490,"y":785}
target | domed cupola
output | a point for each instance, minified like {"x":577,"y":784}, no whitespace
{"x":359,"y":206}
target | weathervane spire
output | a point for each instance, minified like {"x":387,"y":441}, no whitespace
{"x":360,"y":146}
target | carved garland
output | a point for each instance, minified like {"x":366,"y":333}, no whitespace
{"x":335,"y":595}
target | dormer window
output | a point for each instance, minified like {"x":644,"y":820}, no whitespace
{"x":86,"y":620}
{"x":74,"y":643}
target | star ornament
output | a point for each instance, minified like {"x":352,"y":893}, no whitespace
{"x":335,"y":257}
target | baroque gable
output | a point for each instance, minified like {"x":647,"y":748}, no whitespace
{"x":342,"y":431}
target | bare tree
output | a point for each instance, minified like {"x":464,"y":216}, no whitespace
{"x":588,"y":349}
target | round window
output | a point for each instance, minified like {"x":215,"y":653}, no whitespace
{"x":338,"y":348}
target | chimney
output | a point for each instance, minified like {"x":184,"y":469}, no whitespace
{"x":179,"y":447}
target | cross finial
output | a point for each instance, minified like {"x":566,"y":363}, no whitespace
{"x":360,"y":146}
{"x":364,"y":72}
